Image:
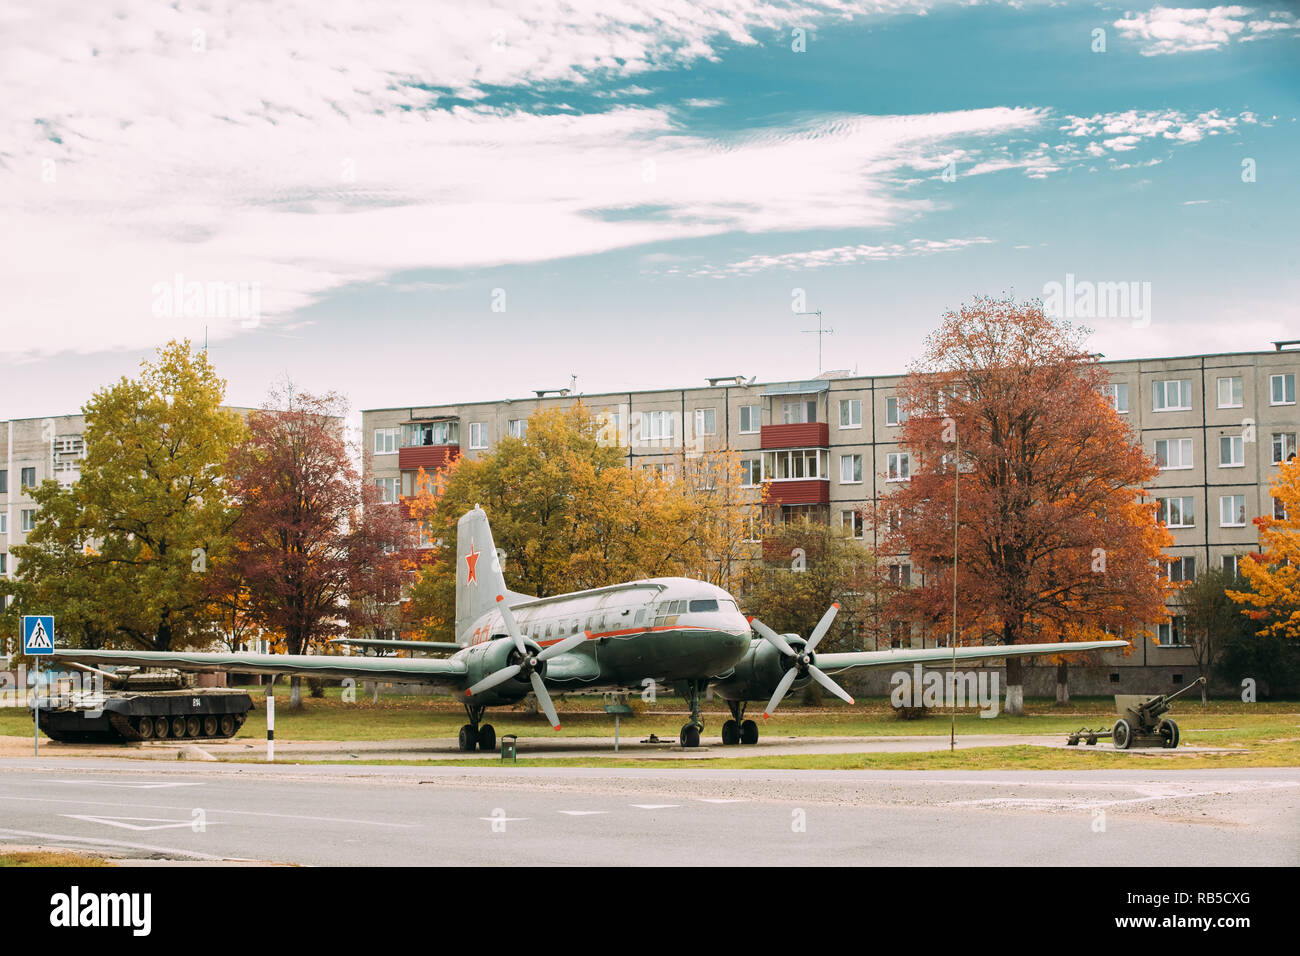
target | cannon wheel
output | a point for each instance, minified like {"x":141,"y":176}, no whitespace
{"x":1122,"y":734}
{"x":1168,"y":734}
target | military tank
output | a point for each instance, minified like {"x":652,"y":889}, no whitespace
{"x":137,"y":704}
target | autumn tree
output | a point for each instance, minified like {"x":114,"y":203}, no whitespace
{"x":1055,"y":540}
{"x":1213,"y":619}
{"x":315,"y":549}
{"x":1273,"y":596}
{"x":122,"y":555}
{"x":569,"y":514}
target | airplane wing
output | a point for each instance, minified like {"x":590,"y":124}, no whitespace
{"x":940,"y":655}
{"x":427,"y":646}
{"x":404,"y":669}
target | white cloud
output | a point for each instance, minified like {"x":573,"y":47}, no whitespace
{"x":1165,"y":30}
{"x":839,"y":255}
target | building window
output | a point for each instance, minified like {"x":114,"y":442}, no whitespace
{"x":385,"y":441}
{"x":1229,"y":563}
{"x":751,"y":472}
{"x":662,"y":469}
{"x":1281,"y":389}
{"x":1279,"y":509}
{"x":477,"y":435}
{"x":1173,"y":632}
{"x":518,"y":427}
{"x":430,"y":433}
{"x":796,"y":464}
{"x":1181,"y":570}
{"x":1230,"y":392}
{"x":850,"y":413}
{"x":27,"y":519}
{"x":1283,"y":446}
{"x":658,"y":426}
{"x":4,"y":523}
{"x":1173,"y":395}
{"x":852,"y":523}
{"x":850,"y":469}
{"x":1117,"y":394}
{"x":749,"y":419}
{"x":28,"y":476}
{"x":898,"y":467}
{"x":1232,"y":451}
{"x":388,"y":489}
{"x":1173,"y":454}
{"x":895,"y":413}
{"x":894,"y":520}
{"x":4,"y":563}
{"x":4,"y":481}
{"x":1176,"y":512}
{"x":900,"y":575}
{"x":1232,"y":511}
{"x":799,"y":412}
{"x":706,"y":421}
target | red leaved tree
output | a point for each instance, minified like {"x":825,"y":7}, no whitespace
{"x":1055,"y":540}
{"x":316,"y":549}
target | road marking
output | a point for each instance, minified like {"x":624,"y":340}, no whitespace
{"x":723,"y":800}
{"x":160,"y":823}
{"x":126,"y":786}
{"x":581,"y":813}
{"x":245,"y":813}
{"x":655,"y":806}
{"x":64,"y":838}
{"x":503,"y":819}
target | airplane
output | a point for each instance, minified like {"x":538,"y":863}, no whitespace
{"x":669,"y":630}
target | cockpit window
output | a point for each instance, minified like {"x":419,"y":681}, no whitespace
{"x":704,"y":604}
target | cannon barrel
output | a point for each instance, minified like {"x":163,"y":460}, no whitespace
{"x":1158,"y":705}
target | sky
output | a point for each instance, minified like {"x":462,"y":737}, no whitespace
{"x":415,"y":203}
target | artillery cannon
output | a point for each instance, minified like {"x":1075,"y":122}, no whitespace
{"x":1141,"y":722}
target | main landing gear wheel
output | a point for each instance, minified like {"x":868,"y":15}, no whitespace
{"x":468,"y":738}
{"x":690,"y":736}
{"x":730,"y":733}
{"x":487,"y":738}
{"x":1122,"y":734}
{"x":1168,"y":734}
{"x":749,"y":732}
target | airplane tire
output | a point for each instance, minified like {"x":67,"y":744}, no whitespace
{"x":487,"y":738}
{"x":690,"y":736}
{"x":468,"y":738}
{"x":749,"y":732}
{"x":730,"y":733}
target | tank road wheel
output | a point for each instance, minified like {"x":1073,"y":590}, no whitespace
{"x":210,"y":723}
{"x":161,"y":727}
{"x":1122,"y":734}
{"x":144,"y":727}
{"x":178,"y":727}
{"x":228,"y":725}
{"x":690,"y":736}
{"x":193,"y":726}
{"x":487,"y":738}
{"x":730,"y":733}
{"x":468,"y":738}
{"x":1168,"y":734}
{"x":749,"y":732}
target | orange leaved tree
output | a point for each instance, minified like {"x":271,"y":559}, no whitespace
{"x":1055,"y":540}
{"x":1273,"y":597}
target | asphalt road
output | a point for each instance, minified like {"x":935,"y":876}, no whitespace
{"x":334,"y":815}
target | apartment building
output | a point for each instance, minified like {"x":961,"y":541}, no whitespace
{"x":1218,"y":425}
{"x":34,"y":449}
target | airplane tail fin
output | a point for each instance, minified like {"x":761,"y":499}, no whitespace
{"x":479,"y":579}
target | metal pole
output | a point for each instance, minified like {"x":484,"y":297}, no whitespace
{"x":956,"y":498}
{"x":270,"y":721}
{"x":36,"y":708}
{"x":616,"y":733}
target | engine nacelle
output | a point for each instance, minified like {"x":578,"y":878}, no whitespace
{"x":488,"y":658}
{"x":759,"y":671}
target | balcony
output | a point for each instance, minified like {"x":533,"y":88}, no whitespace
{"x":428,"y":457}
{"x":804,"y":435}
{"x":799,"y":491}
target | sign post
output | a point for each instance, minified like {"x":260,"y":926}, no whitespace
{"x":38,"y":642}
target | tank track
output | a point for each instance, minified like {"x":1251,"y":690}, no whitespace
{"x":194,"y":726}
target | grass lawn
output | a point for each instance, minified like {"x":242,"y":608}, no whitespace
{"x":49,"y":858}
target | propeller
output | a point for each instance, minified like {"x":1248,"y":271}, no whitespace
{"x":529,"y":663}
{"x":804,"y":660}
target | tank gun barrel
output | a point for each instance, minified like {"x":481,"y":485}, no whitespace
{"x":116,"y":680}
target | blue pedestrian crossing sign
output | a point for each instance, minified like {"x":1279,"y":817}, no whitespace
{"x":38,"y":634}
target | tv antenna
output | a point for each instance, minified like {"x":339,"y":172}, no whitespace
{"x":820,"y":331}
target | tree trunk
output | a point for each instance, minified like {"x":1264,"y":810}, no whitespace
{"x":1062,"y":684}
{"x":295,"y":693}
{"x":1015,"y":700}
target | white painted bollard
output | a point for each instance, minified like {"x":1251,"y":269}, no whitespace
{"x":270,"y":728}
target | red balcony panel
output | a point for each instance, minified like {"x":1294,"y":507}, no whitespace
{"x":810,"y":491}
{"x":807,"y":435}
{"x":428,"y":457}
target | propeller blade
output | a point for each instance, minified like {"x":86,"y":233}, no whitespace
{"x":822,"y":627}
{"x":781,"y":688}
{"x":512,"y":626}
{"x":821,"y":677}
{"x":568,"y":644}
{"x":544,"y":700}
{"x":496,"y":677}
{"x":773,"y":638}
